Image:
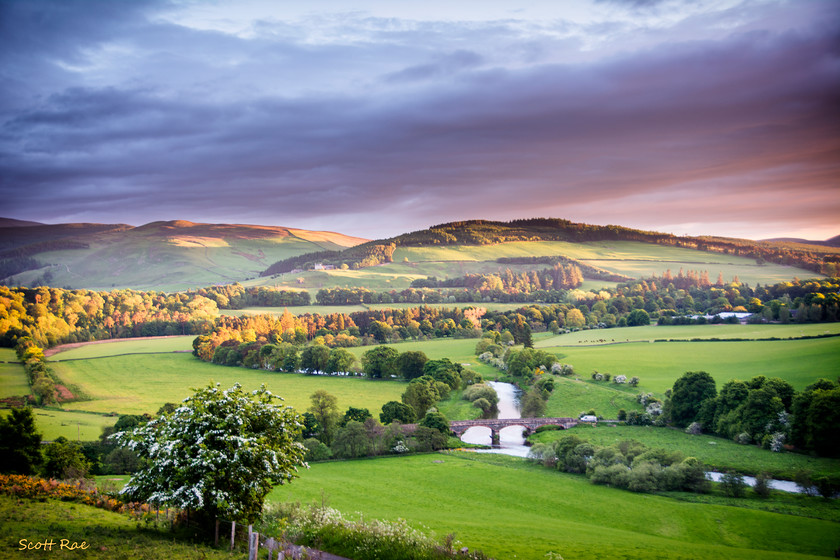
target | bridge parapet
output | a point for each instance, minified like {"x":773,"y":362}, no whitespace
{"x":461,"y":426}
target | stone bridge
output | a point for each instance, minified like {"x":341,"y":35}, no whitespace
{"x":496,"y":425}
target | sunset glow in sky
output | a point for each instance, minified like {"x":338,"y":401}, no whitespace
{"x":377,"y":117}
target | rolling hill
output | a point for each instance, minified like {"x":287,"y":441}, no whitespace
{"x":457,"y":249}
{"x":179,"y":255}
{"x":167,"y":256}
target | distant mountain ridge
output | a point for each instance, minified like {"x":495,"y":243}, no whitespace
{"x":168,"y":255}
{"x":833,"y":242}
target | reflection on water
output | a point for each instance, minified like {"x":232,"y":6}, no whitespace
{"x":511,"y":441}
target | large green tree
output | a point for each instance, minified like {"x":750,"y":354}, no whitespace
{"x":393,"y":410}
{"x":380,"y":362}
{"x":315,"y":358}
{"x":411,"y":364}
{"x":326,"y":413}
{"x":20,"y":442}
{"x":688,"y":395}
{"x":218,"y":454}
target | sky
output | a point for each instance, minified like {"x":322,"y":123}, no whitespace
{"x":377,"y":117}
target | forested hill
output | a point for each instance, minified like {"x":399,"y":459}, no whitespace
{"x":483,"y":232}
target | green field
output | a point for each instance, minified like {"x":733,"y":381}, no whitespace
{"x":115,"y":347}
{"x":107,"y":534}
{"x":511,"y":509}
{"x":684,"y":332}
{"x":13,"y":382}
{"x":720,"y":454}
{"x":143,"y":383}
{"x":75,"y":426}
{"x":658,"y":365}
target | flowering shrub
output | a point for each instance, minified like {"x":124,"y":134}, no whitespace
{"x":82,"y":491}
{"x":362,"y":540}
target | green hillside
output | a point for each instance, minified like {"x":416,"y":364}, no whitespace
{"x":165,"y":256}
{"x":630,"y":258}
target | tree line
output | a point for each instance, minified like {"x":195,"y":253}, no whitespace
{"x":559,"y":277}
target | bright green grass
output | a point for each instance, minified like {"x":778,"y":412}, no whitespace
{"x":720,"y":454}
{"x":126,"y":346}
{"x":511,"y":509}
{"x":13,"y":382}
{"x":685,"y":332}
{"x":143,"y":383}
{"x":658,"y":365}
{"x":109,"y":535}
{"x":572,"y":396}
{"x":75,"y":426}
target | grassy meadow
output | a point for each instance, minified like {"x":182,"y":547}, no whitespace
{"x":511,"y":509}
{"x":143,"y":383}
{"x":659,"y":364}
{"x":13,"y":382}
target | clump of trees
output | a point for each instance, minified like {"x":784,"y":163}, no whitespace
{"x":762,"y":411}
{"x":329,"y":434}
{"x":629,"y":465}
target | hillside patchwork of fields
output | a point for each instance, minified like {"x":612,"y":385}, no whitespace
{"x":630,"y":258}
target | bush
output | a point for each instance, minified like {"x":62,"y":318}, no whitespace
{"x":761,"y":487}
{"x":733,"y":485}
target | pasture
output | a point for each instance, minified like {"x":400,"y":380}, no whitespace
{"x":13,"y":382}
{"x":122,"y":346}
{"x":659,"y":364}
{"x":720,"y":454}
{"x":142,"y":383}
{"x":511,"y":509}
{"x":73,"y":425}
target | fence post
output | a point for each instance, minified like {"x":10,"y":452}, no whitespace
{"x":216,"y":535}
{"x":253,"y":546}
{"x":232,"y":533}
{"x":270,"y":544}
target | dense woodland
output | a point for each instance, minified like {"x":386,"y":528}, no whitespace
{"x":51,"y":316}
{"x":820,"y":259}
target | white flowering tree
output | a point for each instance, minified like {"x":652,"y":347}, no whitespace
{"x":218,"y":454}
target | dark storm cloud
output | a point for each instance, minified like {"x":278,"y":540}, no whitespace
{"x":381,"y":136}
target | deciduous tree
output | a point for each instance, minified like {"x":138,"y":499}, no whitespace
{"x":218,"y":454}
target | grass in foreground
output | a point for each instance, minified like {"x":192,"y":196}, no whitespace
{"x":108,"y":535}
{"x":511,"y":509}
{"x":720,"y":454}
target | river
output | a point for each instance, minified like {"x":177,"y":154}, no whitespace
{"x":512,"y":443}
